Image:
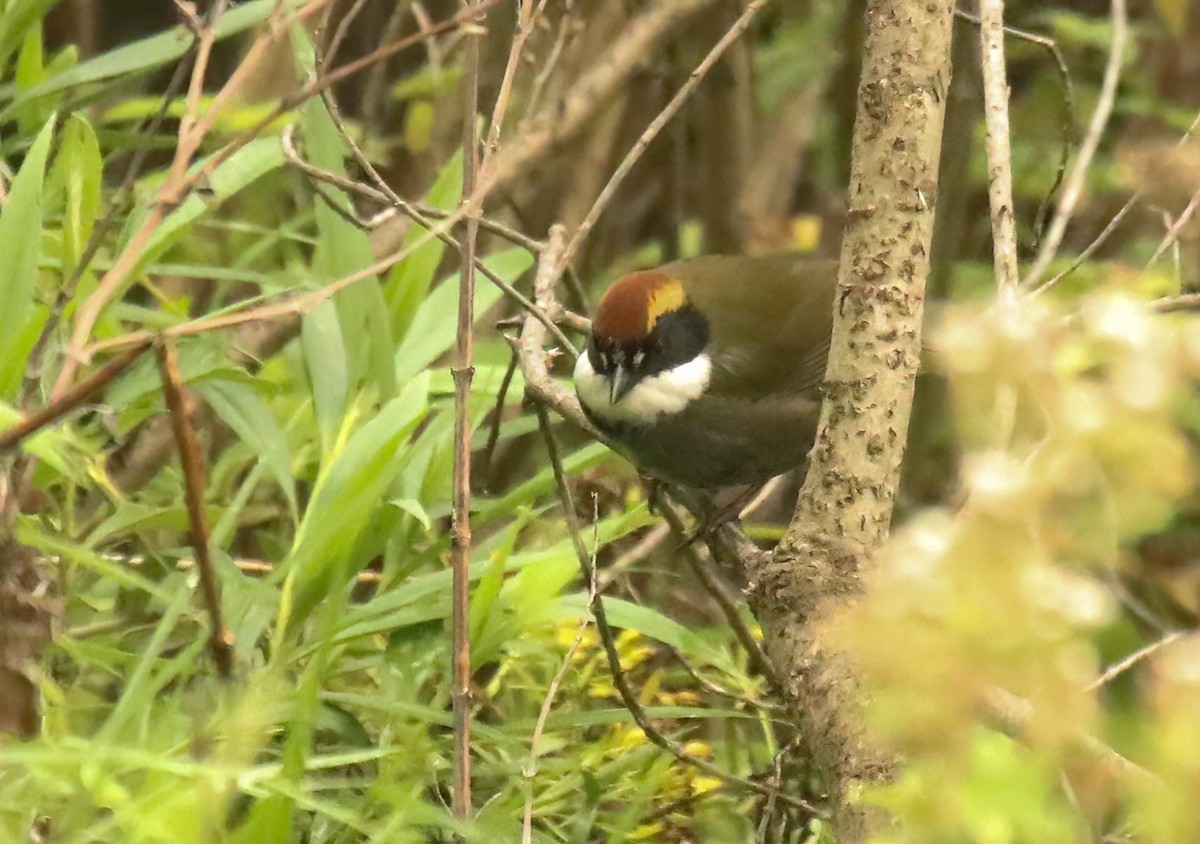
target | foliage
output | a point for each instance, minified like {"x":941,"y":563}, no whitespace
{"x":1057,"y":538}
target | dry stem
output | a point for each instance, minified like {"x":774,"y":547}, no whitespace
{"x":570,"y":115}
{"x":999,"y":147}
{"x":72,"y":398}
{"x":220,"y":639}
{"x":462,"y":371}
{"x":1073,"y":190}
{"x":647,"y":137}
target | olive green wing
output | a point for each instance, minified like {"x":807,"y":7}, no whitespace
{"x":770,"y":319}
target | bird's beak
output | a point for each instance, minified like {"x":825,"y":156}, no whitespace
{"x":622,"y":383}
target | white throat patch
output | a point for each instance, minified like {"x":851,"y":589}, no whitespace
{"x":667,"y":392}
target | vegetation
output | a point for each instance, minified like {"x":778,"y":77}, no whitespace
{"x":183,"y":212}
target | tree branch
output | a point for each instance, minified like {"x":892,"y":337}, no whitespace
{"x":999,"y":149}
{"x":845,"y":506}
{"x":463,"y":371}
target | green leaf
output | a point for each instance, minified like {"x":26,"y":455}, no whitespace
{"x":79,"y":168}
{"x":433,"y":327}
{"x":29,"y":73}
{"x":348,"y":490}
{"x":652,"y":623}
{"x":409,"y":281}
{"x":414,"y":508}
{"x":342,"y":249}
{"x":483,"y":601}
{"x":246,"y":166}
{"x":51,"y":446}
{"x":21,"y":232}
{"x":20,"y":17}
{"x":138,"y":393}
{"x":138,"y":57}
{"x":250,"y":418}
{"x":491,"y":620}
{"x":78,"y":555}
{"x":324,"y":351}
{"x":425,"y":597}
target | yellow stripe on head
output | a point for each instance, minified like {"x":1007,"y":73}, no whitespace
{"x":664,"y":299}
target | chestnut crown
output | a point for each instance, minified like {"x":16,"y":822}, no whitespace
{"x":644,"y":326}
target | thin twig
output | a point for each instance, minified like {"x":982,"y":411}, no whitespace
{"x":145,"y":132}
{"x":527,"y":15}
{"x":1068,"y":142}
{"x":292,"y":305}
{"x":72,"y":398}
{"x":573,"y":112}
{"x":1116,"y":670}
{"x":374,"y":100}
{"x":384,"y":195}
{"x":716,"y":688}
{"x":535,"y":742}
{"x":1013,"y":714}
{"x":462,"y":372}
{"x":647,"y":137}
{"x":547,"y":69}
{"x":489,"y":448}
{"x":531,"y":351}
{"x":321,"y":83}
{"x":1173,"y":230}
{"x":192,"y":130}
{"x":487,"y":224}
{"x":999,"y":146}
{"x":470,"y":17}
{"x":1073,"y":190}
{"x":639,"y":552}
{"x":620,"y":680}
{"x":220,"y":639}
{"x":733,"y":617}
{"x":1182,"y":302}
{"x":1093,"y":247}
{"x":189,"y":124}
{"x":1112,"y":224}
{"x":343,"y":29}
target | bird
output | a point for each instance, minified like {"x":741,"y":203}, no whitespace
{"x":707,"y":372}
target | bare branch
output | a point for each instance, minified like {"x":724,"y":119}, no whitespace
{"x":647,"y":137}
{"x":999,"y":145}
{"x":384,"y":195}
{"x":72,"y":398}
{"x":1069,"y":198}
{"x":220,"y":640}
{"x":531,"y":351}
{"x":463,"y":370}
{"x":1117,"y":669}
{"x":563,"y":119}
{"x":845,"y":506}
{"x":1174,"y":228}
{"x":527,"y":16}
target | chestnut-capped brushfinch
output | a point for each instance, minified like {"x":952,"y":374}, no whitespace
{"x":707,"y":372}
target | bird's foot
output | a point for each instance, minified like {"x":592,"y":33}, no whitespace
{"x":719,"y":513}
